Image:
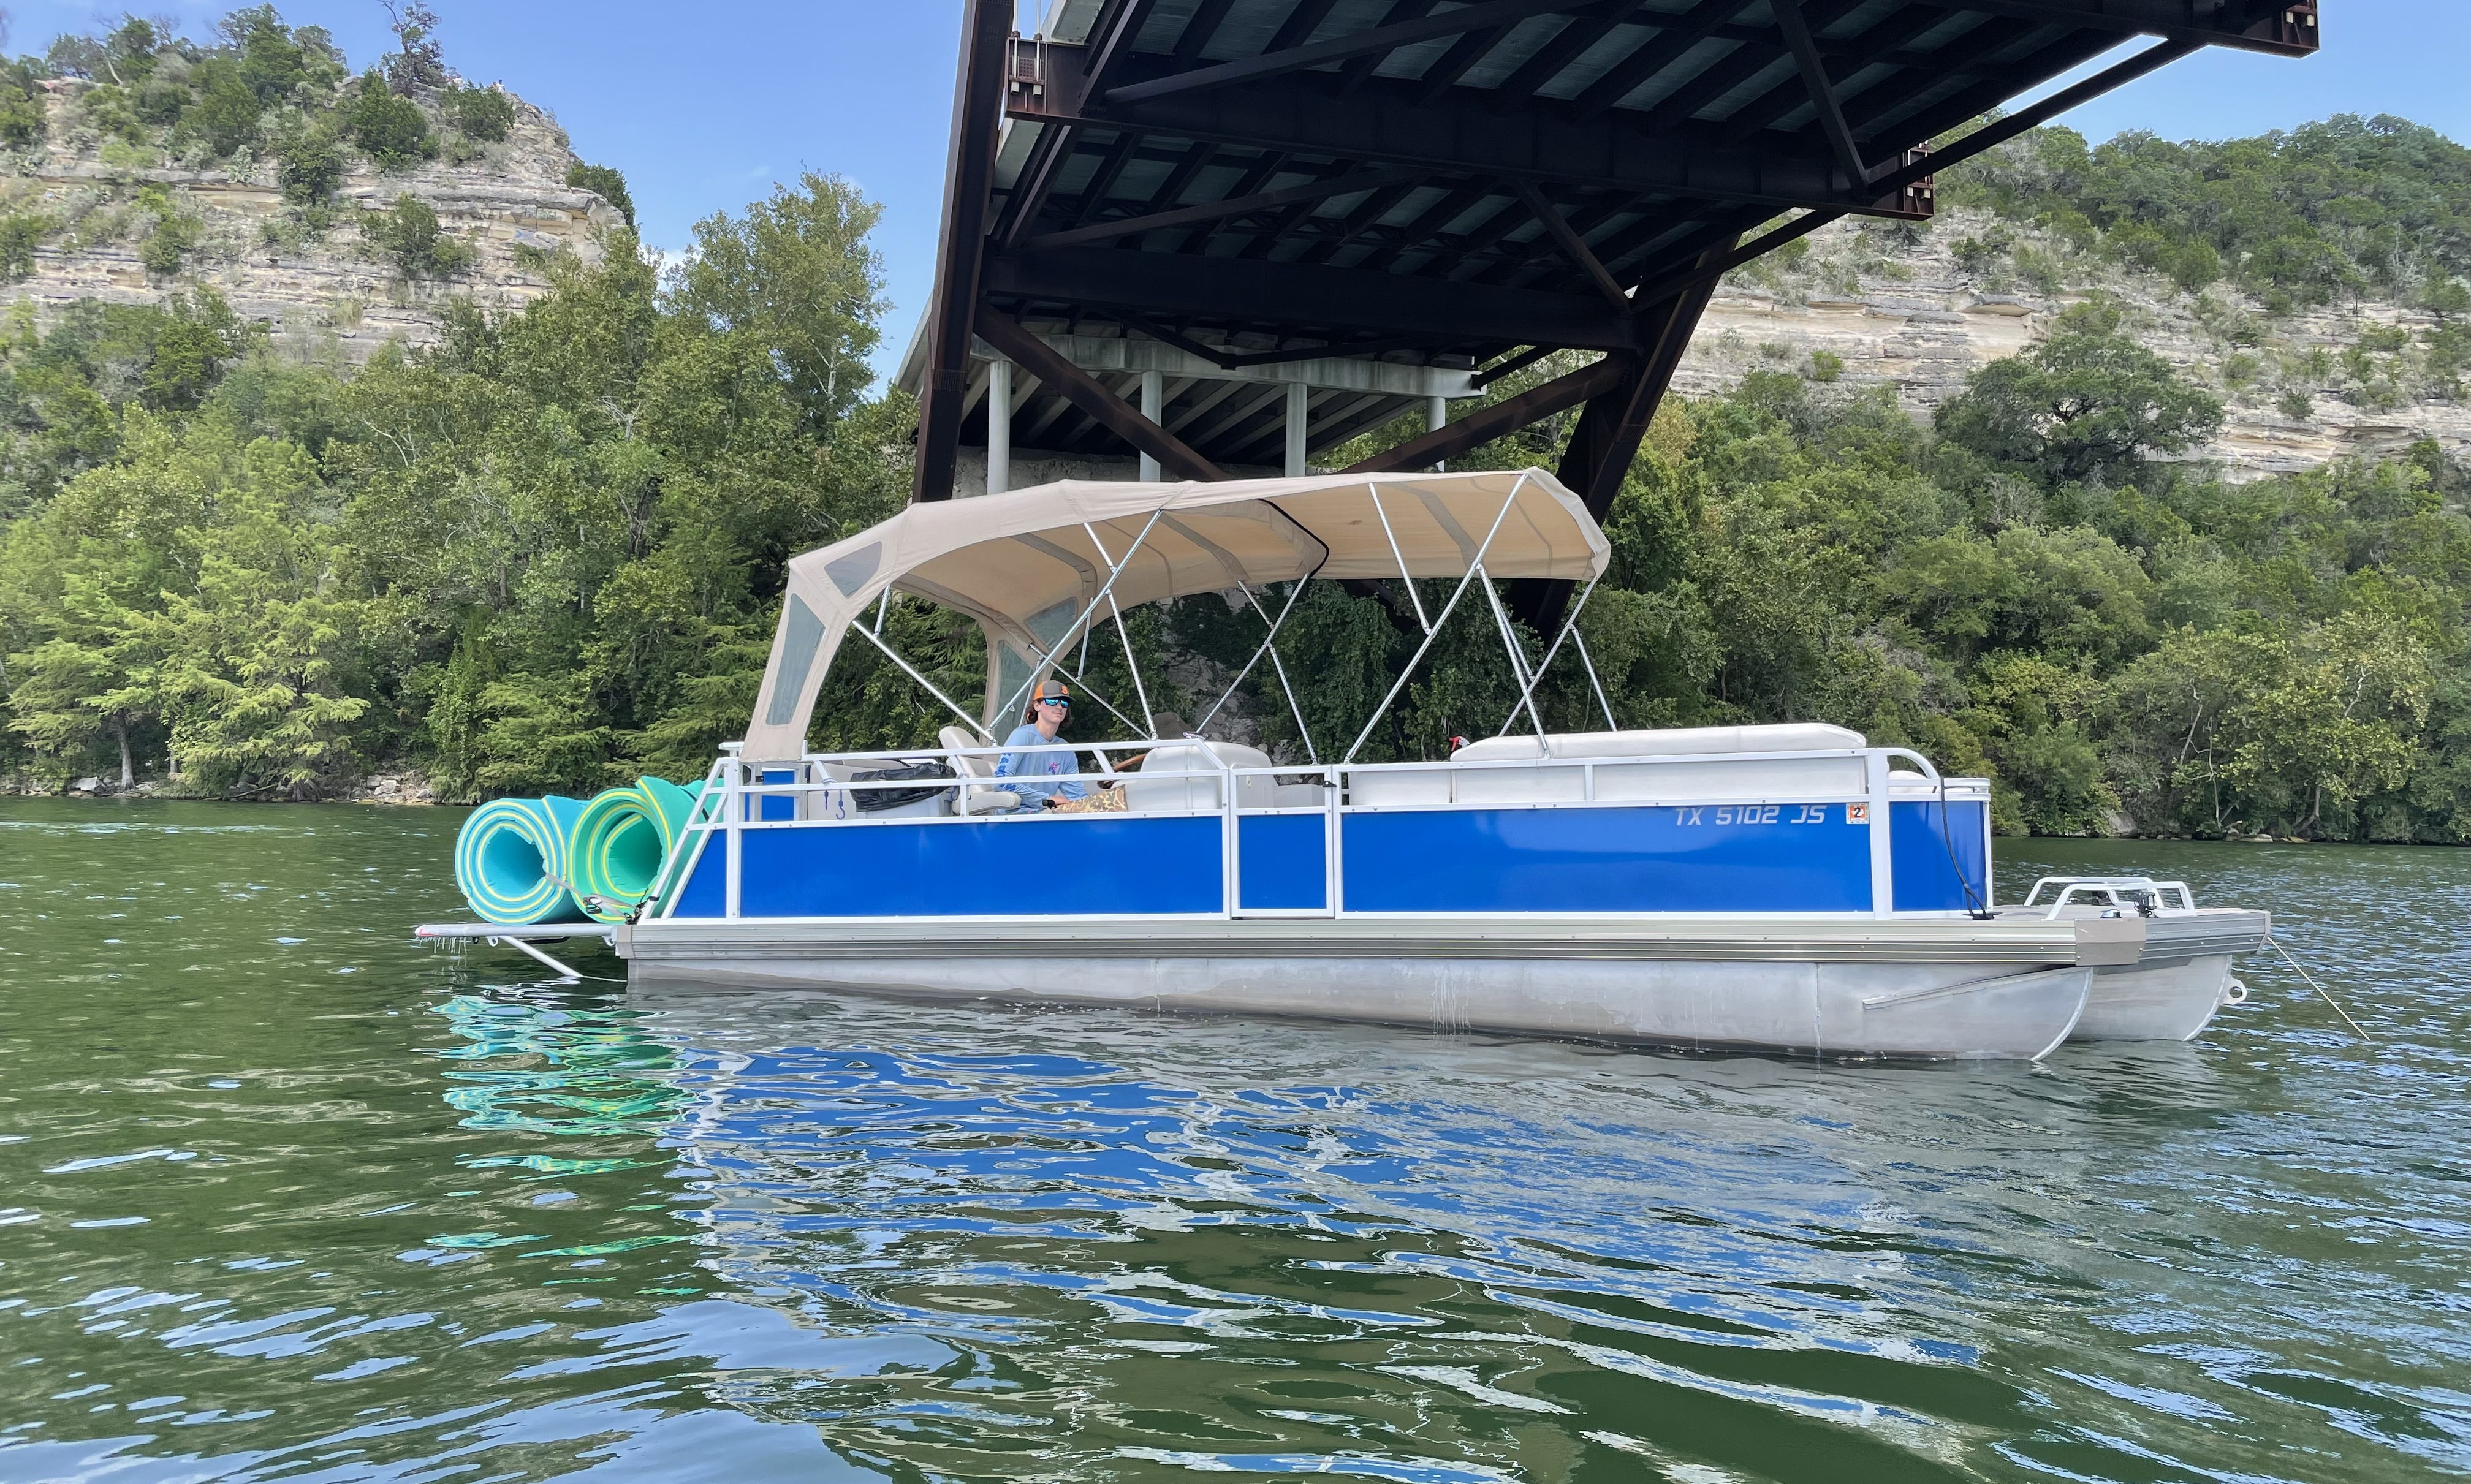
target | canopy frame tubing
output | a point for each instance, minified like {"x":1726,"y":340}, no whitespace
{"x":1083,"y":626}
{"x":1475,"y":568}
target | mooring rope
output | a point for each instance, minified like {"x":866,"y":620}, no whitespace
{"x":2275,"y":944}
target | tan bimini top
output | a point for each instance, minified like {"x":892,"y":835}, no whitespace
{"x":1028,"y":564}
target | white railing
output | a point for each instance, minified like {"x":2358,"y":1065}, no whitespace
{"x":2137,"y":891}
{"x":735,"y":788}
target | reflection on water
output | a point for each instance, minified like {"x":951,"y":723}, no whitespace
{"x":549,"y":1070}
{"x":289,"y":1199}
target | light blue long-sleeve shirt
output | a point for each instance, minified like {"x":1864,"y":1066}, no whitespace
{"x":1023,"y":766}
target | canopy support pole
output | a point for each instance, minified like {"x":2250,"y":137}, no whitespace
{"x":1418,"y":658}
{"x":1056,"y":662}
{"x":1406,"y":581}
{"x":1569,"y":629}
{"x":1587,"y":663}
{"x":1270,"y":643}
{"x":1519,"y":670}
{"x":1132,"y":662}
{"x":1232,"y":686}
{"x":912,"y":671}
{"x":1141,"y":692}
{"x":1090,"y":611}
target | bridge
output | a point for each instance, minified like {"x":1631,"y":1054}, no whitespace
{"x":1201,"y":239}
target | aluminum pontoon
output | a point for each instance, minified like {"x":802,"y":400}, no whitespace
{"x":1777,"y":887}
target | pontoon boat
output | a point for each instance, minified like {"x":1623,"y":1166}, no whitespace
{"x":1783,"y":887}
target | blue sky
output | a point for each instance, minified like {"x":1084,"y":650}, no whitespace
{"x":705,"y":105}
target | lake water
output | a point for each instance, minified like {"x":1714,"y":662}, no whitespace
{"x":283,"y":1195}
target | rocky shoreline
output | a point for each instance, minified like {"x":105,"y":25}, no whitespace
{"x":404,"y":789}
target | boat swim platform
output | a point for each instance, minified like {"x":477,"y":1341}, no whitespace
{"x":527,"y":932}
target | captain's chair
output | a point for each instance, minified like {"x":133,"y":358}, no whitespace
{"x":976,"y":798}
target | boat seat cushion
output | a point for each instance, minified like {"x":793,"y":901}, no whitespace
{"x":1144,"y":794}
{"x":1668,"y":742}
{"x":1680,"y":782}
{"x":980,"y":800}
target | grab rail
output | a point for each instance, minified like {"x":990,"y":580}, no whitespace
{"x":733,"y":779}
{"x":2137,"y":891}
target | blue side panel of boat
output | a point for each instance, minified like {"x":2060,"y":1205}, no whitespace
{"x":1281,"y":861}
{"x":779,"y":806}
{"x":1733,"y":859}
{"x":1926,"y":879}
{"x":707,"y":893}
{"x":1093,"y":863}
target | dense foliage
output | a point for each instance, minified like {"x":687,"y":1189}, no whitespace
{"x":540,"y":555}
{"x":550,"y":553}
{"x":259,"y":88}
{"x":258,"y":94}
{"x":2345,"y":207}
{"x":2027,"y":590}
{"x":157,"y":90}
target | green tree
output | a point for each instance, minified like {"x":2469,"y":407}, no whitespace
{"x":2090,"y":403}
{"x":409,"y":235}
{"x":392,"y":131}
{"x":309,"y":163}
{"x":23,"y":118}
{"x":21,"y":232}
{"x":278,"y":64}
{"x":227,"y":108}
{"x":607,"y":184}
{"x":174,"y":235}
{"x":484,"y":114}
{"x":417,"y":60}
{"x":797,"y":275}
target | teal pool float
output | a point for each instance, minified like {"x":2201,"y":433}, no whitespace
{"x":623,"y":844}
{"x":511,"y":860}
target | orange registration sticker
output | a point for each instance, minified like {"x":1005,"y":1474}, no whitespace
{"x":1857,"y":814}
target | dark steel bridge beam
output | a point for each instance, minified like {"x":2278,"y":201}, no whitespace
{"x":1382,"y":122}
{"x":1502,"y":419}
{"x":1271,"y":292}
{"x":977,"y":109}
{"x":1380,"y":41}
{"x":1605,"y":442}
{"x":1211,"y":211}
{"x":2280,"y":26}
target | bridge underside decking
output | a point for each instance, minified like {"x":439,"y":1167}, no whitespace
{"x":1226,"y":236}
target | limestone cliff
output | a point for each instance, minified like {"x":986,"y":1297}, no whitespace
{"x":1921,"y":309}
{"x":312,"y":278}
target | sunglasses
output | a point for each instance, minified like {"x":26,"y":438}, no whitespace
{"x":1066,"y":705}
